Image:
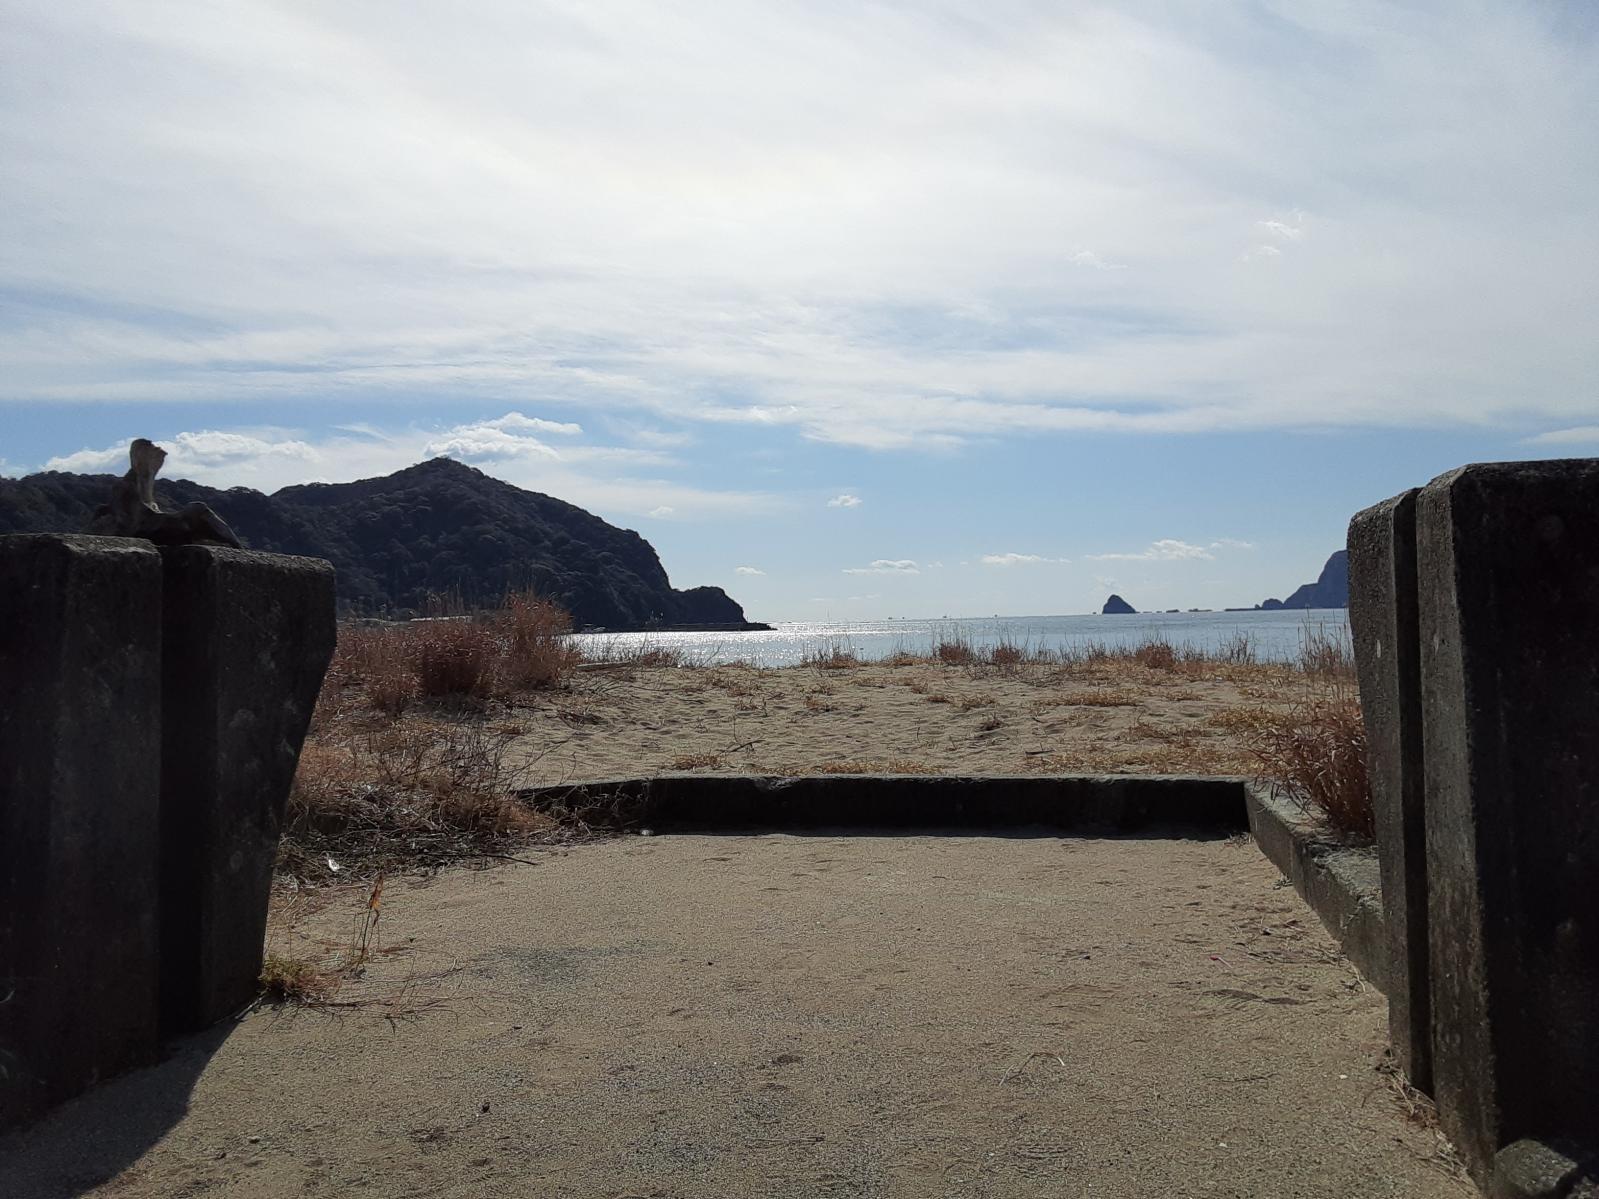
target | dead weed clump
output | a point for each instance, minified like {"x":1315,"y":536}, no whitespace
{"x":1156,"y":654}
{"x":1315,"y":750}
{"x":835,"y":657}
{"x":519,"y":647}
{"x":1328,"y":657}
{"x":372,"y":794}
{"x":955,"y":650}
{"x":700,"y":761}
{"x":298,"y":980}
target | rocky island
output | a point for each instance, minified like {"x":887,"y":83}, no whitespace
{"x":1330,"y":590}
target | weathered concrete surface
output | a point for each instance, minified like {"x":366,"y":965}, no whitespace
{"x":80,"y":706}
{"x":1383,"y":619}
{"x":1530,"y":1169}
{"x":1087,"y":803}
{"x":247,"y":639}
{"x":1508,"y":572}
{"x":1341,"y":883}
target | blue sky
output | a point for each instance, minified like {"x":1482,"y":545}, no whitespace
{"x":913,"y":309}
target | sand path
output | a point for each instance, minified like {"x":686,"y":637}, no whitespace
{"x":791,"y":1016}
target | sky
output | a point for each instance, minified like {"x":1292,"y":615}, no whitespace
{"x":855,"y":309}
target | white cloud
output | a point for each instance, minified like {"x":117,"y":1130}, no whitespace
{"x":886,"y":566}
{"x":1168,"y":549}
{"x":1576,"y":435}
{"x":1231,"y":543}
{"x":600,"y":478}
{"x":515,"y":420}
{"x":877,"y":242}
{"x":1281,"y":230}
{"x":193,"y":455}
{"x":1089,"y":258}
{"x":1019,"y":560}
{"x":844,"y":501}
{"x":473,"y":443}
{"x":747,"y":570}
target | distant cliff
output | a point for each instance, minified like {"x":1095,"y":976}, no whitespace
{"x":1330,"y":590}
{"x":1116,"y":606}
{"x":435,"y":528}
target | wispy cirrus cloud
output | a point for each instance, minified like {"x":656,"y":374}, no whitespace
{"x":1020,"y":560}
{"x":1576,"y":435}
{"x":886,"y":566}
{"x":1167,"y":549}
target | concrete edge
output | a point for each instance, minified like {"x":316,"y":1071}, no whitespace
{"x":1115,"y":804}
{"x":1341,"y":883}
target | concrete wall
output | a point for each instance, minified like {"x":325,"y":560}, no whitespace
{"x":152,"y":708}
{"x":80,"y":784}
{"x":1501,"y":788}
{"x":1383,"y":617}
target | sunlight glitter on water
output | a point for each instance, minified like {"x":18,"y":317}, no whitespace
{"x":1273,"y":636}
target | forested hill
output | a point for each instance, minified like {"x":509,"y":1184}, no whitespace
{"x":435,"y":528}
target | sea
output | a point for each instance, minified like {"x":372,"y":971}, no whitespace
{"x":1273,"y":636}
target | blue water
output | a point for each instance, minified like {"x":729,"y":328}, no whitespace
{"x":1274,"y":636}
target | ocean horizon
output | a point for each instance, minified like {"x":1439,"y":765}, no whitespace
{"x":1273,"y":635}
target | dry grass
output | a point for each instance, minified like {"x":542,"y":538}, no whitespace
{"x":1328,"y":657}
{"x":1246,"y":719}
{"x":405,"y":764}
{"x":1316,"y":751}
{"x":1156,"y":654}
{"x":1007,"y":653}
{"x":520,"y":647}
{"x":375,"y":792}
{"x":314,"y":981}
{"x":865,"y":766}
{"x":452,"y":657}
{"x":534,"y":655}
{"x":1101,"y":697}
{"x":835,"y":657}
{"x":954,"y":650}
{"x":701,"y":761}
{"x":298,"y":980}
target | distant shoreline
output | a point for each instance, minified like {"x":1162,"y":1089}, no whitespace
{"x":747,"y":626}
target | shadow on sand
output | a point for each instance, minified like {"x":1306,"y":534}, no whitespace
{"x":90,"y":1140}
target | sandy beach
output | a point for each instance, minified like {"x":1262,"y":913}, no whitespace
{"x":707,"y":1016}
{"x":1118,"y":717}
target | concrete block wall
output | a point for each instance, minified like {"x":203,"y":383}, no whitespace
{"x":152,"y":708}
{"x":1482,"y":710}
{"x":80,"y":785}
